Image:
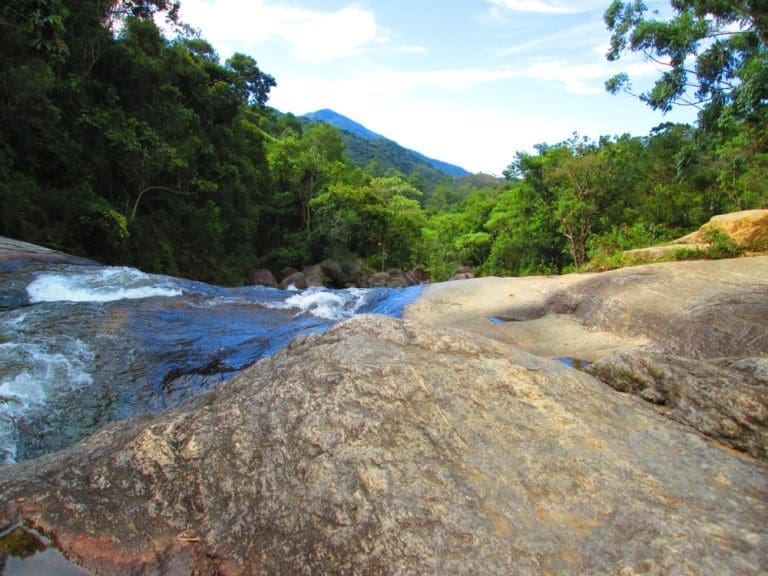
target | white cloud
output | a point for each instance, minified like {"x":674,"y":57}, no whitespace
{"x":314,"y":36}
{"x":549,"y":6}
{"x":575,"y":78}
{"x":569,"y":39}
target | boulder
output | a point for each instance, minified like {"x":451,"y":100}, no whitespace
{"x":378,"y":280}
{"x":387,"y":447}
{"x":262,"y":277}
{"x":399,"y":281}
{"x":335,"y":273}
{"x":748,"y":228}
{"x":464,"y":273}
{"x":419,"y":276}
{"x":315,"y":276}
{"x":287,"y":271}
{"x":296,"y":279}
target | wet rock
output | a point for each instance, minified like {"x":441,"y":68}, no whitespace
{"x":287,"y":271}
{"x":386,"y":447}
{"x":378,"y":280}
{"x":297,"y":280}
{"x":262,"y":277}
{"x":335,"y":273}
{"x":398,"y":281}
{"x":315,"y":276}
{"x":15,"y":252}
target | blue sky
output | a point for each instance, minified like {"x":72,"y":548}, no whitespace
{"x":466,"y":81}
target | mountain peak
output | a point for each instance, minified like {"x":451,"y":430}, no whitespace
{"x":343,"y":123}
{"x":356,"y":129}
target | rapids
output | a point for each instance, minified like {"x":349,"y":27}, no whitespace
{"x":82,"y":346}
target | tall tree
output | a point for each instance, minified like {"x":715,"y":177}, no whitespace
{"x":725,"y":39}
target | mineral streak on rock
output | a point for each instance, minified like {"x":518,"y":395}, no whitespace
{"x":388,"y":447}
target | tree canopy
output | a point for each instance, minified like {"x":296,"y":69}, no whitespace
{"x":714,"y":52}
{"x":124,"y":145}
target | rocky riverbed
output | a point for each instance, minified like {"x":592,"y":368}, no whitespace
{"x":451,"y":442}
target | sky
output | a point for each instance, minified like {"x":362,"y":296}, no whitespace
{"x":469,"y":82}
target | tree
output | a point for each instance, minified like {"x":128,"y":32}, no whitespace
{"x":726,"y":39}
{"x":251,"y":84}
{"x":577,"y":187}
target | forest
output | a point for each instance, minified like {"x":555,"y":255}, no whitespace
{"x":131,"y":145}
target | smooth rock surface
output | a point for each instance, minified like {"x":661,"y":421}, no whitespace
{"x":11,"y":250}
{"x":389,"y":447}
{"x":677,"y":334}
{"x":701,"y":309}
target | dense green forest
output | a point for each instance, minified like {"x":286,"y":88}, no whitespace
{"x":126,"y":145}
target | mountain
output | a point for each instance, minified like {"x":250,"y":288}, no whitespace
{"x":365,"y":146}
{"x":343,"y":123}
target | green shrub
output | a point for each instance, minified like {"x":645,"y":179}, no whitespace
{"x":720,"y":244}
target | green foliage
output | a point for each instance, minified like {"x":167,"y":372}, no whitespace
{"x":726,"y":39}
{"x":120,"y":144}
{"x":129,"y":147}
{"x":384,"y":157}
{"x":104,"y":228}
{"x":720,"y":245}
{"x":625,"y":237}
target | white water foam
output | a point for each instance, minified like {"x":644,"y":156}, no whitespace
{"x":101,"y":285}
{"x":29,"y":375}
{"x":324,"y":303}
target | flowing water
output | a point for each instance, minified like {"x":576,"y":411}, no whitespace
{"x":82,"y":346}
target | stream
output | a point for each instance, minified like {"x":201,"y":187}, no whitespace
{"x":83,"y":346}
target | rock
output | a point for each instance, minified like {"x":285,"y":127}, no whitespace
{"x":333,"y":270}
{"x":748,"y":228}
{"x":13,"y":252}
{"x":703,"y":309}
{"x":262,"y":277}
{"x":689,"y":337}
{"x":464,"y":273}
{"x":419,"y":276}
{"x":378,"y":280}
{"x":287,"y":271}
{"x":728,"y":402}
{"x":315,"y":276}
{"x":387,"y":447}
{"x":399,"y":281}
{"x":297,"y":279}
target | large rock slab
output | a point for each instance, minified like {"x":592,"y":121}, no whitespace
{"x":699,"y":309}
{"x":15,"y":250}
{"x":388,"y":447}
{"x":676,"y":334}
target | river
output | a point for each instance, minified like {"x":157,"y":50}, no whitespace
{"x":83,"y":346}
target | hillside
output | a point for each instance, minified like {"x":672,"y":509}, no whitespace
{"x":343,"y":123}
{"x":364,"y":146}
